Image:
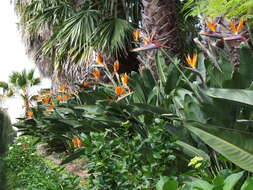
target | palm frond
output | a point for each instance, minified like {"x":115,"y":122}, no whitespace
{"x":113,"y":36}
{"x":35,"y":81}
{"x":13,"y":77}
{"x":30,"y":74}
{"x":4,"y":85}
{"x":72,"y":40}
{"x":52,"y":14}
{"x":23,"y":79}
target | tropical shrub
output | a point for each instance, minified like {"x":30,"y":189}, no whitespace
{"x":225,"y":180}
{"x":108,"y":123}
{"x":130,"y":161}
{"x":27,"y":170}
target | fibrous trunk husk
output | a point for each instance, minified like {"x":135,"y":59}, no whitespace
{"x":160,"y":21}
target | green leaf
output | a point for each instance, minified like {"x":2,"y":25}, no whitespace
{"x":248,"y":184}
{"x":136,"y":84}
{"x":148,"y":79}
{"x":201,"y":66}
{"x":231,"y":180}
{"x":4,"y":85}
{"x":73,"y":156}
{"x":235,"y":145}
{"x":112,"y":35}
{"x":192,"y":151}
{"x":173,"y":78}
{"x":160,"y":62}
{"x":199,"y":184}
{"x":165,"y":183}
{"x":245,"y":68}
{"x":237,"y":95}
{"x":146,"y":108}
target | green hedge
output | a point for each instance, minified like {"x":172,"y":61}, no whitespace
{"x":6,"y":137}
{"x":27,"y":170}
{"x":6,"y":132}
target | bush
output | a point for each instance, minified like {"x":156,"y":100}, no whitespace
{"x":129,"y":162}
{"x":27,"y":170}
{"x":6,"y":132}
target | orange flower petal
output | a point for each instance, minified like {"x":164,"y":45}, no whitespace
{"x":50,"y":108}
{"x":211,"y":25}
{"x":192,"y":62}
{"x":66,"y":97}
{"x":240,"y":26}
{"x":119,"y":90}
{"x":116,"y":66}
{"x":62,"y":88}
{"x":76,"y":142}
{"x":99,"y":59}
{"x":136,"y":35}
{"x":59,"y":98}
{"x":96,"y":74}
{"x":26,"y":102}
{"x":85,"y":84}
{"x":146,"y":41}
{"x":233,"y":27}
{"x":124,"y":79}
{"x":29,"y":113}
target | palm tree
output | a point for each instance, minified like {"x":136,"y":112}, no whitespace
{"x":20,"y":83}
{"x":63,"y":35}
{"x":160,"y":21}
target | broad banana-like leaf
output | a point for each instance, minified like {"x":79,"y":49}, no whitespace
{"x":245,"y":68}
{"x":192,"y":151}
{"x":235,"y":145}
{"x":248,"y":184}
{"x":237,"y":95}
{"x":165,"y":183}
{"x":73,"y":156}
{"x":136,"y":83}
{"x":231,"y":180}
{"x":200,"y":184}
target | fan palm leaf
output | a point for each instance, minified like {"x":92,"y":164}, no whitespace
{"x":113,"y":35}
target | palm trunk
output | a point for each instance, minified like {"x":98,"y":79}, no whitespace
{"x":160,"y":21}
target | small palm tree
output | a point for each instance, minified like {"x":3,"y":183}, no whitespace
{"x":20,"y":83}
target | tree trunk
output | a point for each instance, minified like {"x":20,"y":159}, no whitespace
{"x":160,"y":21}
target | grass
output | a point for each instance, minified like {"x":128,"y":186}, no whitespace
{"x":26,"y":170}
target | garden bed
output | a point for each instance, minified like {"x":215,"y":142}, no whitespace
{"x":25,"y":169}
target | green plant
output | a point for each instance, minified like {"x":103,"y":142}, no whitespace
{"x":216,"y":8}
{"x":129,"y":161}
{"x":224,"y":181}
{"x":27,"y":170}
{"x":6,"y":137}
{"x":7,"y":134}
{"x":20,"y":83}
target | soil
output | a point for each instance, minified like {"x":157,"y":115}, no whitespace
{"x":75,"y":167}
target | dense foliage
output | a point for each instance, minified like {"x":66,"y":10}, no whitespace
{"x":116,"y":129}
{"x":27,"y":170}
{"x":178,"y":123}
{"x":214,"y":8}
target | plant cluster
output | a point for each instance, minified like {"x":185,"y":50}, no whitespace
{"x":183,"y":125}
{"x":121,"y":132}
{"x":27,"y":170}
